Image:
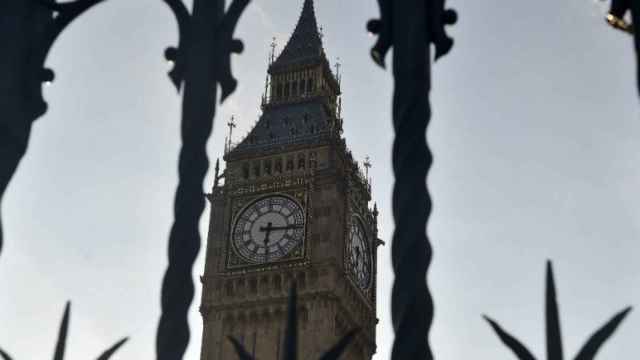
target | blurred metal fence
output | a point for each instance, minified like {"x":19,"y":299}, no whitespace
{"x":201,"y":62}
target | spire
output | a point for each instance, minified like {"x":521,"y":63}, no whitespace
{"x":305,"y":44}
{"x":296,"y":111}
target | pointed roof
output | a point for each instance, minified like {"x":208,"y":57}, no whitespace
{"x":301,"y":123}
{"x":305,"y":44}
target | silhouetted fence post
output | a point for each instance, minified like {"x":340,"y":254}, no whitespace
{"x":201,"y":62}
{"x":28,"y":29}
{"x":410,"y":26}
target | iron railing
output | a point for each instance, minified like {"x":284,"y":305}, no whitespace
{"x":553,"y":334}
{"x":410,"y":27}
{"x":38,"y":23}
{"x":61,"y":343}
{"x":202,"y":60}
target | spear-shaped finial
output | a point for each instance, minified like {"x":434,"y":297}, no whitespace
{"x":290,"y":344}
{"x":61,"y":344}
{"x":554,"y":338}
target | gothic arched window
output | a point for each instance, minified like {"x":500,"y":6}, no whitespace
{"x":302,"y":280}
{"x":301,"y":162}
{"x":290,"y":163}
{"x":245,"y":171}
{"x":313,"y":277}
{"x":278,"y":166}
{"x":304,"y":316}
{"x":277,"y":282}
{"x":264,"y":284}
{"x":267,"y":167}
{"x":310,"y":85}
{"x":240,"y":286}
{"x":313,"y":163}
{"x":253,"y":286}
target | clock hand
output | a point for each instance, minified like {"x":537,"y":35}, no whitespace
{"x":270,"y":228}
{"x":266,"y":239}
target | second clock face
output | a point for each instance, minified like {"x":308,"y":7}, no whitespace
{"x":359,"y":258}
{"x":268,"y":229}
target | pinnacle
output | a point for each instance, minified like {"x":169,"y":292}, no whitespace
{"x":305,"y":43}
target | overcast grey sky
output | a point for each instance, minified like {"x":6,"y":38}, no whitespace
{"x":536,"y":137}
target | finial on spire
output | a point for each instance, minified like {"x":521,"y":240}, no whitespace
{"x":367,"y":166}
{"x":273,"y":45}
{"x":321,"y":32}
{"x":231,"y":124}
{"x":217,"y":174}
{"x":304,"y":43}
{"x":338,"y":66}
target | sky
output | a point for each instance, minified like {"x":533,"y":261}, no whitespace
{"x":535,"y":135}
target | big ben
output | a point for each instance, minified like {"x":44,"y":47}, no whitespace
{"x":294,"y":208}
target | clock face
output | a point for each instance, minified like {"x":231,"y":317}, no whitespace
{"x":358,"y":256}
{"x":268,"y":229}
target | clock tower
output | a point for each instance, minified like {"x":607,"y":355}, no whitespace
{"x":294,"y":207}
